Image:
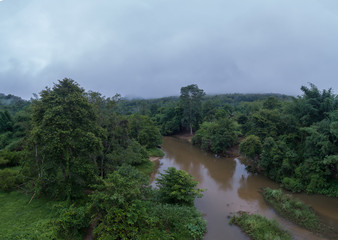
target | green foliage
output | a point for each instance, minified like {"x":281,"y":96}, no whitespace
{"x":10,"y":178}
{"x":64,"y":136}
{"x":292,"y":209}
{"x":9,"y":158}
{"x":20,"y":220}
{"x":277,"y":159}
{"x":292,"y":184}
{"x":72,"y":220}
{"x":170,"y":120}
{"x":176,"y":222}
{"x":216,"y":136}
{"x":265,"y":123}
{"x":271,"y":103}
{"x":259,"y":227}
{"x":251,"y":146}
{"x":70,"y":138}
{"x":177,"y":187}
{"x":133,"y":154}
{"x":144,"y":131}
{"x":117,"y":203}
{"x":155,"y":152}
{"x":191,"y":103}
{"x":146,"y":168}
{"x":11,"y":103}
{"x":314,"y":105}
{"x":6,"y":122}
{"x":14,"y":129}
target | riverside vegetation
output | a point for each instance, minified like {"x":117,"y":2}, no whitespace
{"x":292,"y":209}
{"x":259,"y":227}
{"x":291,"y":140}
{"x":70,"y":162}
{"x":67,"y":144}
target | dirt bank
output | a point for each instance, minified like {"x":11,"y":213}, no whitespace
{"x":184,"y":136}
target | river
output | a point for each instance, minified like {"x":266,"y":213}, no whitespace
{"x":230,"y":188}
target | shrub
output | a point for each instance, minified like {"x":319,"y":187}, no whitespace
{"x":251,"y":146}
{"x":179,"y":222}
{"x":294,"y":210}
{"x":119,"y":211}
{"x":217,"y":136}
{"x":134,"y":154}
{"x":72,"y":221}
{"x":9,"y":158}
{"x":316,"y":183}
{"x":10,"y":178}
{"x":292,"y":184}
{"x":259,"y":227}
{"x":155,"y":152}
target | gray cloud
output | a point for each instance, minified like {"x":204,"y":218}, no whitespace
{"x":152,"y":48}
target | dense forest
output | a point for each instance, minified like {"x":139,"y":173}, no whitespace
{"x":88,"y":155}
{"x":85,"y":167}
{"x":292,"y":140}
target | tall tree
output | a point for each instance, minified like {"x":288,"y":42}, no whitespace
{"x":65,"y":138}
{"x":191,"y":102}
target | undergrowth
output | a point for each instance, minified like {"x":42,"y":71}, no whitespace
{"x":292,"y":209}
{"x":259,"y":227}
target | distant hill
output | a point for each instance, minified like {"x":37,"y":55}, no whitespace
{"x":12,"y":103}
{"x":144,"y":106}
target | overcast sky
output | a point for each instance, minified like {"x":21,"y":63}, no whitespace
{"x":151,"y":48}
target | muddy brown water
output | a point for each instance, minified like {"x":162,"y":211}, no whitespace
{"x":230,"y":188}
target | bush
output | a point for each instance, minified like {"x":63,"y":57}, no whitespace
{"x":316,"y":184}
{"x":143,"y":129}
{"x":9,"y":158}
{"x":178,"y":222}
{"x":155,"y":152}
{"x":10,"y":178}
{"x":217,"y":136}
{"x":294,"y":210}
{"x":72,"y":221}
{"x":134,"y":154}
{"x":119,"y":211}
{"x":251,"y":146}
{"x":259,"y":227}
{"x":292,"y":184}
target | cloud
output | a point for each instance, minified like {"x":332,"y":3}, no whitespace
{"x":153,"y":48}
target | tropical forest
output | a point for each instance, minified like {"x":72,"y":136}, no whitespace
{"x":75,"y":164}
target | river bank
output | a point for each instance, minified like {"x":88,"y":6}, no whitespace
{"x":231,"y":188}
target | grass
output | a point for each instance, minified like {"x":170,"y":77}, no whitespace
{"x":292,"y":209}
{"x":259,"y":227}
{"x":147,"y":167}
{"x":155,"y":152}
{"x":20,"y":220}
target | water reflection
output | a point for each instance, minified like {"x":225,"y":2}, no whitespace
{"x":231,"y":188}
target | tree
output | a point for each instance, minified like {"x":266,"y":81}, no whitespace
{"x":314,"y":105}
{"x":143,"y":129}
{"x":6,"y":122}
{"x":251,"y":146}
{"x":191,"y":102}
{"x":64,"y":139}
{"x":178,"y":187}
{"x":216,"y":136}
{"x":117,"y":205}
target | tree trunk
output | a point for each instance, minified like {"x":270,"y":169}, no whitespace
{"x":102,"y":167}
